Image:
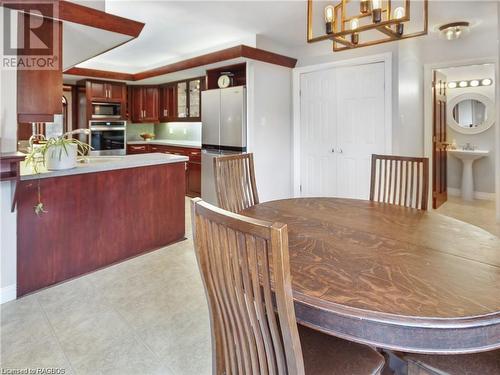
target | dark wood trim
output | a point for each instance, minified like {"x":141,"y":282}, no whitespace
{"x":266,"y":56}
{"x":207,"y":59}
{"x":71,"y":12}
{"x":95,"y":73}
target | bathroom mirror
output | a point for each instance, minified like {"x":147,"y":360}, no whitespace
{"x":471,"y":113}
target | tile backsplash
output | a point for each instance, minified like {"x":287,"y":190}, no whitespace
{"x":133,"y":131}
{"x":186,"y":131}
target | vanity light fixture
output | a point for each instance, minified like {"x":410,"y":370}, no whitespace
{"x":486,"y":82}
{"x":470,"y":83}
{"x":454,"y":30}
{"x":375,"y":21}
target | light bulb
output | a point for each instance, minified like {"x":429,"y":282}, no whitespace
{"x":354,"y":24}
{"x":463,"y":84}
{"x":399,"y":13}
{"x":486,"y":82}
{"x":452,"y":85}
{"x":329,"y":10}
{"x":376,"y":4}
{"x":474,"y":83}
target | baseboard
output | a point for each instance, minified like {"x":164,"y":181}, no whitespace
{"x":8,"y":293}
{"x":477,"y":194}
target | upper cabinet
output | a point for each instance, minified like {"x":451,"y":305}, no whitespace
{"x":144,"y":104}
{"x":168,"y":102}
{"x":39,"y":91}
{"x":181,"y":101}
{"x":106,"y":91}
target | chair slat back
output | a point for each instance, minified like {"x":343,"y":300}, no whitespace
{"x":245,"y":268}
{"x":400,"y":180}
{"x":235,"y":182}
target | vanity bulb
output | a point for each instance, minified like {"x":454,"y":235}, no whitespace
{"x":354,"y":24}
{"x":463,"y":84}
{"x":452,"y":85}
{"x":329,"y":10}
{"x":474,"y":83}
{"x":486,"y":82}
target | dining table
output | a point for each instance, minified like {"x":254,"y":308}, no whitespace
{"x":389,"y":276}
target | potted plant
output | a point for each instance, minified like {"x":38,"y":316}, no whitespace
{"x":56,"y":153}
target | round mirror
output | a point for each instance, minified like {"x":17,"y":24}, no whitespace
{"x":470,"y":113}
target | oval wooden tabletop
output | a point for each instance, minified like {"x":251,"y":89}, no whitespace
{"x":390,"y":276}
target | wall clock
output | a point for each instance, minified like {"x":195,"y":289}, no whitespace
{"x":224,"y":81}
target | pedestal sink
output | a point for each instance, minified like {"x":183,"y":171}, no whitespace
{"x":468,"y":157}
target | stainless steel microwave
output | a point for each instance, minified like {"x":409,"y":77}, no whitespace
{"x":106,"y":110}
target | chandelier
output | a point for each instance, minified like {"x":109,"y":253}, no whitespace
{"x":352,"y":24}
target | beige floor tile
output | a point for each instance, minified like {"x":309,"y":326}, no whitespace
{"x":43,"y":354}
{"x":481,"y":213}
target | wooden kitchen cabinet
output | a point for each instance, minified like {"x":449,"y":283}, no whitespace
{"x":106,"y":91}
{"x":144,"y":106}
{"x":39,"y":91}
{"x":193,"y":166}
{"x":188,"y":99}
{"x":168,"y":102}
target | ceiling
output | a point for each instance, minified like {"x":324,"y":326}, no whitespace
{"x":176,"y":30}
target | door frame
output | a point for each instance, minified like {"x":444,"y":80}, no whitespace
{"x":386,"y":58}
{"x":428,"y":112}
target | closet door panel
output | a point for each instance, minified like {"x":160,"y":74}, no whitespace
{"x":318,"y":122}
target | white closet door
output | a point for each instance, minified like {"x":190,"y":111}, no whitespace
{"x":360,"y":96}
{"x":317,"y":127}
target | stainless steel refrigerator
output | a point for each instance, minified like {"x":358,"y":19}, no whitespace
{"x":223,"y":131}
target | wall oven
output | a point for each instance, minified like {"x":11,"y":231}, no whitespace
{"x":106,"y":110}
{"x":108,"y":137}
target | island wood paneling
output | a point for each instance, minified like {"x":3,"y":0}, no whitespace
{"x":94,"y":220}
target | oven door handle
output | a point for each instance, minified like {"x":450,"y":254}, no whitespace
{"x":101,"y":128}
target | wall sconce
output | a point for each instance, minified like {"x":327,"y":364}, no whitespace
{"x":454,"y":30}
{"x":470,"y":83}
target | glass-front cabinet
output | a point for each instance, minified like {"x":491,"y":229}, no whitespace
{"x":182,"y":100}
{"x":195,"y":98}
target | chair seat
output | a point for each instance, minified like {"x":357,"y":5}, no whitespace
{"x":487,"y":363}
{"x":325,"y":354}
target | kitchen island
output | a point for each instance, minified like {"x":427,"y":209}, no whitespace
{"x":105,"y":210}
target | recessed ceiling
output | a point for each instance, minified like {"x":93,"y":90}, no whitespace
{"x":176,"y":30}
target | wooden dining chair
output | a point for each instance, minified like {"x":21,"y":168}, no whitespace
{"x":245,"y":269}
{"x":400,"y":180}
{"x":487,"y":363}
{"x":235,"y":182}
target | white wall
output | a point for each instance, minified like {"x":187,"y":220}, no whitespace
{"x":484,"y":169}
{"x":269,"y":123}
{"x":8,"y":139}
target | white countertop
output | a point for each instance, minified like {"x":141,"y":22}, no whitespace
{"x":104,"y":163}
{"x":168,"y":142}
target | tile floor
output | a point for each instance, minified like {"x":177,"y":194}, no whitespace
{"x":477,"y":212}
{"x":147,"y":315}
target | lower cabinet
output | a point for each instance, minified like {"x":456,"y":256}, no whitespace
{"x":193,"y":166}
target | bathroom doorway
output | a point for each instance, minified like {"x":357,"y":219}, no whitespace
{"x":463,"y":141}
